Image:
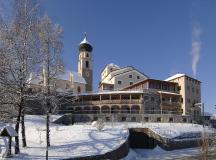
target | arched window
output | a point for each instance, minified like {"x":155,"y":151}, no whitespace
{"x":87,"y":64}
{"x":78,"y":89}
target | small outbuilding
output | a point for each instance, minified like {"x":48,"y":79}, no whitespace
{"x":8,"y":132}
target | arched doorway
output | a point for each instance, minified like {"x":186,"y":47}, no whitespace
{"x":105,"y":109}
{"x":78,"y":110}
{"x":115,"y":109}
{"x":95,"y":109}
{"x":86,"y":110}
{"x":135,"y":109}
{"x":125,"y":109}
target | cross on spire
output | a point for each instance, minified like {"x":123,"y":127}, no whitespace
{"x":85,"y":34}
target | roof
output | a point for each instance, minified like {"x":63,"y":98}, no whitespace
{"x":113,"y":65}
{"x":125,"y":70}
{"x":85,"y":40}
{"x":78,"y":78}
{"x":178,"y":75}
{"x":8,"y":130}
{"x":64,"y":76}
{"x":147,"y":80}
{"x":34,"y":79}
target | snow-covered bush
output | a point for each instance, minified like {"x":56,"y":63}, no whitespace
{"x":99,"y":124}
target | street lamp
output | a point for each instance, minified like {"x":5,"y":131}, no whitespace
{"x":201,"y":105}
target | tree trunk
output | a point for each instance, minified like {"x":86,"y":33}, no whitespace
{"x":17,"y":150}
{"x":47,"y":135}
{"x":23,"y":128}
{"x":9,"y":148}
{"x":48,"y":129}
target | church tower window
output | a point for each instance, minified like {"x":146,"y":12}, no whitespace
{"x":87,"y":64}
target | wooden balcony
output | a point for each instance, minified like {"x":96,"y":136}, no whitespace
{"x":107,"y":102}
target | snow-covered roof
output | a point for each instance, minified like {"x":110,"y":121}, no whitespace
{"x":34,"y":79}
{"x":121,"y":71}
{"x":85,"y":41}
{"x":78,"y":78}
{"x":65,"y":76}
{"x":11,"y":131}
{"x":113,"y":65}
{"x":175,"y":76}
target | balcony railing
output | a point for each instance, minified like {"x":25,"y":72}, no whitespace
{"x":98,"y":102}
{"x":168,"y":103}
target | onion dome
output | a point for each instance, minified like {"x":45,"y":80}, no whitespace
{"x":85,"y":45}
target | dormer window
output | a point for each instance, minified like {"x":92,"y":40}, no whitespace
{"x":130,"y":76}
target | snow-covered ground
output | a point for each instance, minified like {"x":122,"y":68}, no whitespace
{"x":160,"y":154}
{"x":85,"y":140}
{"x":69,"y":141}
{"x":172,"y":130}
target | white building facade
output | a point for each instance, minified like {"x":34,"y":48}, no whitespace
{"x":114,"y":77}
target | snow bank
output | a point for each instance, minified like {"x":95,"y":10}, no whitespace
{"x":172,"y":130}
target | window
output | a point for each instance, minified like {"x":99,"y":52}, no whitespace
{"x":107,"y":118}
{"x":87,"y":64}
{"x":87,"y":55}
{"x":192,"y":89}
{"x":78,"y":89}
{"x":184,"y":119}
{"x":130,"y":76}
{"x":152,"y":99}
{"x":123,"y":119}
{"x":188,"y":100}
{"x":179,"y":88}
{"x":146,"y":97}
{"x":159,"y":119}
{"x":164,"y":87}
{"x":119,"y":82}
{"x":131,"y":83}
{"x":138,"y":77}
{"x":188,"y":88}
{"x":170,"y":119}
{"x":197,"y":90}
{"x":133,"y":119}
{"x":146,"y":119}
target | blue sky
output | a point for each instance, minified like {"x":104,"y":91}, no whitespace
{"x":155,"y":36}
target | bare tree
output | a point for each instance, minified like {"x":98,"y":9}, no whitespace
{"x":51,"y":49}
{"x":19,"y":44}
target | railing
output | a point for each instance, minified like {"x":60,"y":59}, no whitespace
{"x":168,"y":103}
{"x":99,"y":102}
{"x":122,"y":111}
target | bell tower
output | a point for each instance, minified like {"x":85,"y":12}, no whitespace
{"x":85,"y":65}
